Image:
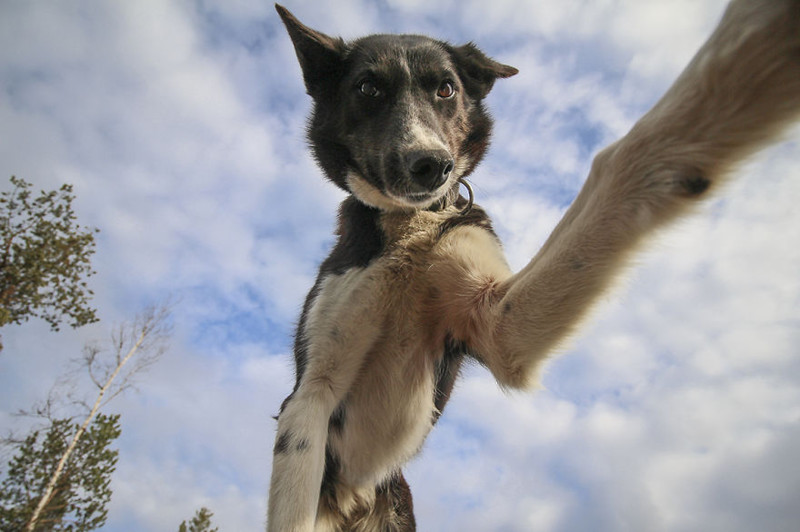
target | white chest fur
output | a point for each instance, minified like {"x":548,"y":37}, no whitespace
{"x":386,"y":325}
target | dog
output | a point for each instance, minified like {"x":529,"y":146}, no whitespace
{"x":417,"y":283}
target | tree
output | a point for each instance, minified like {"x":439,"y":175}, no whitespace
{"x":44,"y":259}
{"x":133,"y":347}
{"x":82,"y":492}
{"x":201,"y":522}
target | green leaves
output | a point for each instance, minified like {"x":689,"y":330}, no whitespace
{"x":44,"y":258}
{"x":83,"y":490}
{"x":201,"y":522}
{"x":59,"y":480}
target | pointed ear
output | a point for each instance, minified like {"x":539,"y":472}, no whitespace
{"x":320,"y":56}
{"x":477,"y":71}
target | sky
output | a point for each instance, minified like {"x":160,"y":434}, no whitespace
{"x":180,"y":125}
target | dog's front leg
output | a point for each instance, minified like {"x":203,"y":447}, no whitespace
{"x":742,"y":87}
{"x":342,"y":323}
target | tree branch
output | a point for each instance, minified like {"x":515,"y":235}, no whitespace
{"x":148,"y":333}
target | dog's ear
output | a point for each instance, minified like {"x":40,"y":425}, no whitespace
{"x":478,"y":71}
{"x":320,"y":56}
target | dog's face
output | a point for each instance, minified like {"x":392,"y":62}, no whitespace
{"x":397,"y":119}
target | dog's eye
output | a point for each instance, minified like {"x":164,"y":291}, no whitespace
{"x":368,"y":88}
{"x":446,"y":90}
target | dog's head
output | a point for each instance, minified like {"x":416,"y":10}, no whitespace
{"x":397,"y":119}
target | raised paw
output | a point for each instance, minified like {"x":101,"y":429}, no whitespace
{"x":745,"y":81}
{"x":738,"y":93}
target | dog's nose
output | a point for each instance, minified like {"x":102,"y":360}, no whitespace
{"x":429,"y":168}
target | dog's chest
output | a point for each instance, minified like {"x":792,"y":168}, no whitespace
{"x":396,"y":396}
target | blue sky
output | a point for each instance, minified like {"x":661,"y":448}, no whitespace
{"x":180,"y":125}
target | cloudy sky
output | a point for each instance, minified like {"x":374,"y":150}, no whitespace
{"x":180,"y":125}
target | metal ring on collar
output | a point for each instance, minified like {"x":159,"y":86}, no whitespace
{"x":468,"y":208}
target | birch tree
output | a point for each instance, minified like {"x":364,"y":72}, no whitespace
{"x":82,"y":492}
{"x":112,"y":369}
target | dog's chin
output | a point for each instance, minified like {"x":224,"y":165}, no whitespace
{"x":371,"y":195}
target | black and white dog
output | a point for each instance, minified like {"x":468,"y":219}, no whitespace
{"x":417,"y":280}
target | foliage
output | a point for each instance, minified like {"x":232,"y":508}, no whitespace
{"x":44,"y":259}
{"x":201,"y":522}
{"x":78,"y":502}
{"x":145,"y":340}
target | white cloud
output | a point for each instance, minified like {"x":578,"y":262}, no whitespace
{"x":181,"y":126}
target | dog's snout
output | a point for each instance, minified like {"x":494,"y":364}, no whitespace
{"x":429,"y":168}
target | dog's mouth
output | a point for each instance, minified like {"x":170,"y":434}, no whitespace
{"x":412,"y":180}
{"x":423,"y":199}
{"x":391,"y":198}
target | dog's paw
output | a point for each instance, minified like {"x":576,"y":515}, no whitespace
{"x":738,"y":93}
{"x":753,"y":58}
{"x":762,"y":13}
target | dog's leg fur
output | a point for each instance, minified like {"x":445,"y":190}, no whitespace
{"x":737,"y":94}
{"x":336,"y":350}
